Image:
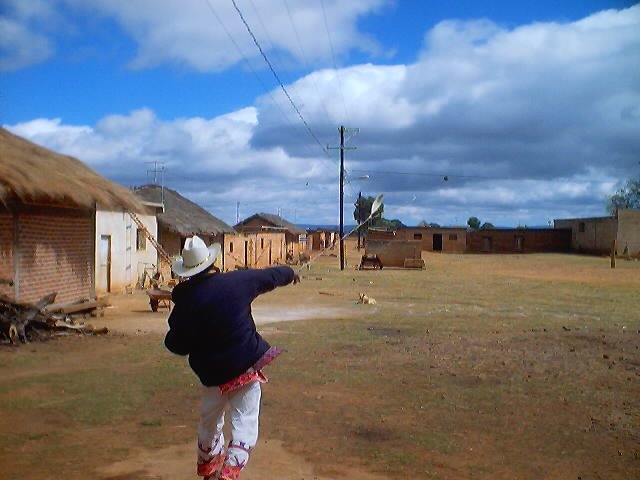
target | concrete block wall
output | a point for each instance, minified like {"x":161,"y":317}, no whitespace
{"x":590,"y":235}
{"x":629,"y":231}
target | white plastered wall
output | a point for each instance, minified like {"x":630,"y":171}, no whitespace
{"x":127,"y":262}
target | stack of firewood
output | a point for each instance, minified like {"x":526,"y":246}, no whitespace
{"x":24,"y":322}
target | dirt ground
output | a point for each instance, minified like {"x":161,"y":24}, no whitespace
{"x":479,"y":367}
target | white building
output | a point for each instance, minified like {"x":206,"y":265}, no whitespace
{"x":123,"y":252}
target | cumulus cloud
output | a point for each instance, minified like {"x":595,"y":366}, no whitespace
{"x":528,"y":124}
{"x":546,"y":110}
{"x":197,"y":34}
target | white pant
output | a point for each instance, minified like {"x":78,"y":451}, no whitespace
{"x":244,"y":407}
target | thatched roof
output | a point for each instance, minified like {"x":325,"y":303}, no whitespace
{"x":180,"y":215}
{"x":271,"y":220}
{"x":33,"y":174}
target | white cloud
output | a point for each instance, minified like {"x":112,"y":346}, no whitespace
{"x":529,"y":123}
{"x":20,"y":45}
{"x":552,"y":108}
{"x":194,"y":33}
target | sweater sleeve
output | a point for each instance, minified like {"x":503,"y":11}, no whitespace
{"x":270,"y":278}
{"x":177,"y":338}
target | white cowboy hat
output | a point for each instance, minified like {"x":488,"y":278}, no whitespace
{"x":196,"y":257}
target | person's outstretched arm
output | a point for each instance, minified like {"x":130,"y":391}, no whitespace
{"x":268,"y":279}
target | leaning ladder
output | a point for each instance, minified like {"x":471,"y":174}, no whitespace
{"x":161,"y":251}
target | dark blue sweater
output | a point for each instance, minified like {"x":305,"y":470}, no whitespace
{"x":211,"y":321}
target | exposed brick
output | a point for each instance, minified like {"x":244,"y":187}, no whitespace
{"x":55,"y":255}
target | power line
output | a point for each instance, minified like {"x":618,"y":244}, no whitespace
{"x":333,"y":56}
{"x":247,"y":63}
{"x":306,"y":60}
{"x":275,"y":74}
{"x":440,"y":175}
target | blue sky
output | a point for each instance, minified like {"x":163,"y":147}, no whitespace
{"x":531,"y":108}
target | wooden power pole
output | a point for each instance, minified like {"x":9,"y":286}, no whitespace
{"x":342,"y":148}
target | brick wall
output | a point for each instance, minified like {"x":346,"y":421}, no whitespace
{"x":519,"y":241}
{"x":453,"y":240}
{"x":55,"y":255}
{"x":6,"y":253}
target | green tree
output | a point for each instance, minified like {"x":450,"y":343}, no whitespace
{"x":363,"y":209}
{"x":627,"y":197}
{"x":486,"y":226}
{"x":474,"y":222}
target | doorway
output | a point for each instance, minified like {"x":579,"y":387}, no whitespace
{"x":437,"y":242}
{"x":105,"y":262}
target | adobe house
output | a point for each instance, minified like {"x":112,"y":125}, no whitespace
{"x":596,"y":234}
{"x":181,"y":218}
{"x":436,"y":239}
{"x":518,"y":240}
{"x":295,"y":237}
{"x":254,"y":250}
{"x":48,"y":221}
{"x":321,"y":239}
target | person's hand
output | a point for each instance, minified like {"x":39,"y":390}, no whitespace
{"x":296,"y":278}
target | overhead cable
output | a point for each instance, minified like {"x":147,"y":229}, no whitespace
{"x":277,"y":77}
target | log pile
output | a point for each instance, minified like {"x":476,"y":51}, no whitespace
{"x":25,"y":322}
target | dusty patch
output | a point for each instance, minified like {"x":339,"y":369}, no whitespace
{"x":177,"y":463}
{"x":129,"y":314}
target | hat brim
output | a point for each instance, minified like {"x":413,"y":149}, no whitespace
{"x":182,"y":271}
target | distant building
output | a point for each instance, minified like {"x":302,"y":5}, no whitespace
{"x":436,"y":239}
{"x":597,"y":234}
{"x":295,"y":237}
{"x":519,"y":240}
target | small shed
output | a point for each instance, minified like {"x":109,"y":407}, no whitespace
{"x":47,"y":221}
{"x":181,"y":218}
{"x":295,"y":237}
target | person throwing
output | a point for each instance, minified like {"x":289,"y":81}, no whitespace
{"x":211,"y":322}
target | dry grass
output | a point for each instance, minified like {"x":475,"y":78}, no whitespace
{"x":478,"y":367}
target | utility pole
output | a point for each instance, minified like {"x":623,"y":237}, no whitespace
{"x":358,"y":209}
{"x":342,"y":148}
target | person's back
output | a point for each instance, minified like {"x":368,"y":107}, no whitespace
{"x":214,"y":313}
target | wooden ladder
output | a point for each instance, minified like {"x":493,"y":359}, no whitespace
{"x":161,"y":251}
